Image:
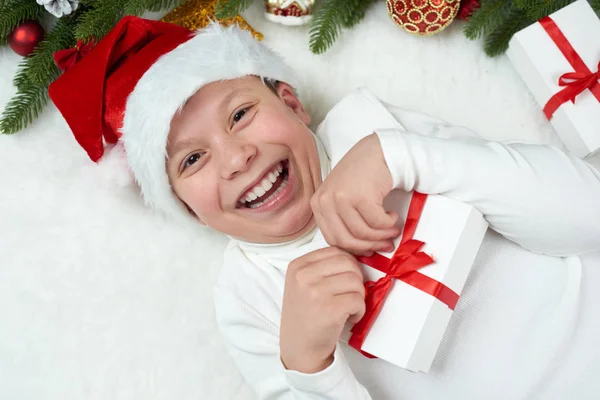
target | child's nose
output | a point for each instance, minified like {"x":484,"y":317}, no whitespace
{"x":237,"y":158}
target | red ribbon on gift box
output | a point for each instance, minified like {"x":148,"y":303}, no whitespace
{"x":404,"y":266}
{"x":574,"y":82}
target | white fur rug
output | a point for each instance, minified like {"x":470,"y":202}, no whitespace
{"x":102,"y":299}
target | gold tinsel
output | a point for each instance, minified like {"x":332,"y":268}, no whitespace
{"x":196,"y":14}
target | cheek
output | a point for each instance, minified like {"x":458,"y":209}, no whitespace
{"x":202,"y":198}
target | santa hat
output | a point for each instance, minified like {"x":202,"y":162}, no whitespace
{"x":131,"y":84}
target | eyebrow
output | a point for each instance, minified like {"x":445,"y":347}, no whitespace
{"x":178,"y":147}
{"x":227,"y":99}
{"x":222,"y":107}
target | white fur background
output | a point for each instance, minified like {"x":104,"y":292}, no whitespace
{"x":102,"y":299}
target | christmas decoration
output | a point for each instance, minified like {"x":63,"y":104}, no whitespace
{"x":58,"y":8}
{"x":25,"y":38}
{"x":196,"y":14}
{"x":467,"y":8}
{"x":289,"y":12}
{"x":328,"y":16}
{"x":65,"y":59}
{"x":423,"y":17}
{"x":88,"y":20}
{"x":498,"y":20}
{"x":495,"y":20}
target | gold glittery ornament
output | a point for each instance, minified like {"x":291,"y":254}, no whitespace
{"x":423,"y":17}
{"x":197,"y":14}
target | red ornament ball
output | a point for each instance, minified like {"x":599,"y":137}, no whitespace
{"x":423,"y":17}
{"x":25,"y":38}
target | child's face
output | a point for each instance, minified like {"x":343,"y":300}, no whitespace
{"x":229,"y":143}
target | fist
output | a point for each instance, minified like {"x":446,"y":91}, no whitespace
{"x":348,"y":206}
{"x":323,"y":290}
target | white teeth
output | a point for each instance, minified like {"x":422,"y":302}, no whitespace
{"x":259,"y":191}
{"x":265,"y":185}
{"x":275,"y":193}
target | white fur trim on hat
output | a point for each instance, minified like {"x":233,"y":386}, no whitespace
{"x":214,"y":53}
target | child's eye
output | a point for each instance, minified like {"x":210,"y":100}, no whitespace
{"x":239,"y":115}
{"x":192,"y":159}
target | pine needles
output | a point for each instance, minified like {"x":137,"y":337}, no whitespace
{"x":93,"y":19}
{"x":498,"y":20}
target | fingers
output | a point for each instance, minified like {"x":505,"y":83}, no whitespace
{"x":351,"y":306}
{"x":321,"y":254}
{"x":361,"y":229}
{"x":336,"y":233}
{"x":376,"y":216}
{"x":338,"y":262}
{"x":345,"y":282}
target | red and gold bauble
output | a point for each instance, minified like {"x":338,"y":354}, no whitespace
{"x":423,"y":17}
{"x":25,"y":38}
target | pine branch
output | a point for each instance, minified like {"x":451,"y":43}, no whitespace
{"x":23,"y":109}
{"x":138,"y":7}
{"x":41,"y":69}
{"x":326,"y":25}
{"x":539,"y":9}
{"x":13,"y":13}
{"x":355,"y":12}
{"x":230,"y":8}
{"x":496,"y":42}
{"x":595,"y":4}
{"x":490,"y":15}
{"x":329,"y":18}
{"x":99,"y":20}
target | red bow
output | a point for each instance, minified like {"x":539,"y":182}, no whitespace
{"x":578,"y":81}
{"x":404,"y":266}
{"x":66,"y":58}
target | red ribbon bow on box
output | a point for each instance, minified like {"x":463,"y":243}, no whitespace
{"x":574,"y":82}
{"x":404,"y":266}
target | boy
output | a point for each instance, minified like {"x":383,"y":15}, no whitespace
{"x":228,"y":146}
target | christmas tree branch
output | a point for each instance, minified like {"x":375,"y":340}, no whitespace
{"x":13,"y":13}
{"x":138,"y":7}
{"x":329,"y":18}
{"x":230,"y":8}
{"x":595,"y":5}
{"x":490,"y":15}
{"x":99,"y":19}
{"x":40,"y":68}
{"x":496,"y":41}
{"x":538,"y":9}
{"x":355,"y":12}
{"x":23,"y":109}
{"x":33,"y":77}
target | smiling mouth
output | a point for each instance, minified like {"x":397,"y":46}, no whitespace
{"x":274,"y":181}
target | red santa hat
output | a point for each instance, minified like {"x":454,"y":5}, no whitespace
{"x":131,"y":84}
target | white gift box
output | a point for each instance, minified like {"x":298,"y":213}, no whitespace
{"x":408,"y":330}
{"x":540,"y":63}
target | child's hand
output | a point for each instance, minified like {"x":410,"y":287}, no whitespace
{"x":348,"y":206}
{"x":323,"y":289}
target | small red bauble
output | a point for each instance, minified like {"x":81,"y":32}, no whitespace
{"x":423,"y":17}
{"x":25,"y":38}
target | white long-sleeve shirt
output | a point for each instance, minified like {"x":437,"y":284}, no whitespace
{"x":528,"y":320}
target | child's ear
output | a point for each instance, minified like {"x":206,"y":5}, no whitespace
{"x":286,"y":94}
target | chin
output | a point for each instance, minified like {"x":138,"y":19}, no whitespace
{"x":293,"y":224}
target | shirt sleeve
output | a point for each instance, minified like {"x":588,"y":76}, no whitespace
{"x":535,"y":195}
{"x":253,"y":343}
